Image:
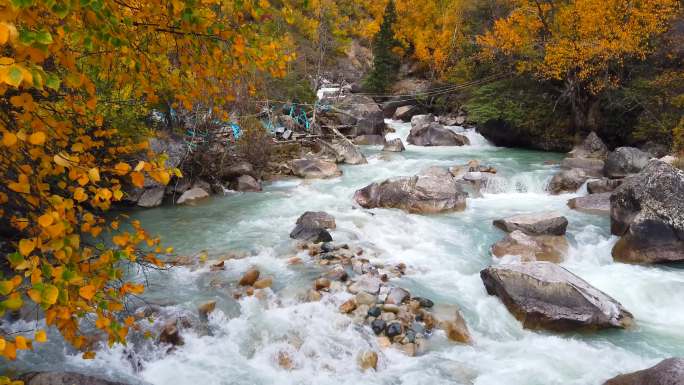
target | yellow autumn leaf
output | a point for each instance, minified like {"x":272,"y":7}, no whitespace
{"x":41,"y":336}
{"x":45,"y":220}
{"x":3,"y":344}
{"x":26,"y":246}
{"x":37,"y":138}
{"x":87,"y":292}
{"x":21,"y":343}
{"x":50,"y":295}
{"x":9,"y":139}
{"x":138,"y":179}
{"x":94,"y":175}
{"x":80,"y":195}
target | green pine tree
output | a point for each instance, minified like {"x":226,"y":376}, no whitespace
{"x":385,"y":61}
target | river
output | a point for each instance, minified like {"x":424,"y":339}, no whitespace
{"x":444,"y":254}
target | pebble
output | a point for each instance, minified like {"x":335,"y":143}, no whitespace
{"x":314,"y":296}
{"x":294,"y":261}
{"x":397,"y":296}
{"x":206,"y":309}
{"x":327,"y":247}
{"x":384,"y":342}
{"x":321,"y":284}
{"x":348,"y":306}
{"x":374,"y":311}
{"x":365,"y":298}
{"x":263,"y":283}
{"x":368,"y":360}
{"x":249,"y":277}
{"x":388,"y":316}
{"x":378,"y":326}
{"x":337,"y":274}
{"x":424,"y":302}
{"x":409,"y":349}
{"x":390,"y":308}
{"x":394,"y":329}
{"x":284,"y":361}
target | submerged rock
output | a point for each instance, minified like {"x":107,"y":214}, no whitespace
{"x":394,"y":145}
{"x":542,"y":223}
{"x":317,"y":219}
{"x":312,"y":227}
{"x":667,"y":372}
{"x":368,"y":360}
{"x":418,"y":194}
{"x":625,"y":161}
{"x":647,"y":211}
{"x":64,"y":378}
{"x":551,"y":248}
{"x":249,"y":277}
{"x":545,"y":295}
{"x":314,"y":168}
{"x":592,"y":204}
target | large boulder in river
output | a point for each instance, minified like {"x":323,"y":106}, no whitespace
{"x":591,"y":147}
{"x":591,"y":204}
{"x":417,"y":194}
{"x":434,"y":134}
{"x":152,"y":197}
{"x":551,"y":248}
{"x":603,"y":185}
{"x":543,"y":295}
{"x":625,"y":161}
{"x":312,"y":226}
{"x":567,"y":181}
{"x":591,"y":166}
{"x":542,"y":223}
{"x":394,"y":145}
{"x":314,"y":168}
{"x":359,"y":112}
{"x":247,"y":183}
{"x":64,"y":378}
{"x":647,"y":211}
{"x":667,"y":372}
{"x":348,"y":153}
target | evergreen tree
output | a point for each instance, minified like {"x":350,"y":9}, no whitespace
{"x":385,"y":61}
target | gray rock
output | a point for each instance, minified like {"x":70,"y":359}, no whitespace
{"x":603,"y":185}
{"x":567,"y":181}
{"x":417,"y":194}
{"x":591,"y":166}
{"x":194,"y":194}
{"x":152,"y":197}
{"x":545,"y":295}
{"x":348,"y":153}
{"x":247,"y":183}
{"x":647,"y":211}
{"x":237,"y":169}
{"x":394,"y":145}
{"x":394,"y":329}
{"x":405,"y":113}
{"x":369,"y":140}
{"x":378,"y":325}
{"x":542,"y":223}
{"x":591,"y":147}
{"x":64,"y":378}
{"x":175,"y":150}
{"x":310,"y":234}
{"x":397,"y":296}
{"x":367,"y":282}
{"x":592,"y":204}
{"x":551,"y":248}
{"x":667,"y":372}
{"x":434,"y":134}
{"x":625,"y":161}
{"x":421,"y":120}
{"x":317,"y":219}
{"x":314,"y":168}
{"x":360,"y":112}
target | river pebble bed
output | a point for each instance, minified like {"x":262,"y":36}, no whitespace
{"x":443,"y":253}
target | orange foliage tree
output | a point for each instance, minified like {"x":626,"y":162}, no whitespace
{"x":584,"y":43}
{"x":65,"y":67}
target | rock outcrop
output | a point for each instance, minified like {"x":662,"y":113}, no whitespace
{"x":547,"y":296}
{"x":314,"y":168}
{"x":667,"y":372}
{"x":647,"y":211}
{"x":542,"y":223}
{"x":426,"y":132}
{"x":360,"y":114}
{"x":625,"y":161}
{"x":418,"y":194}
{"x":194,"y":194}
